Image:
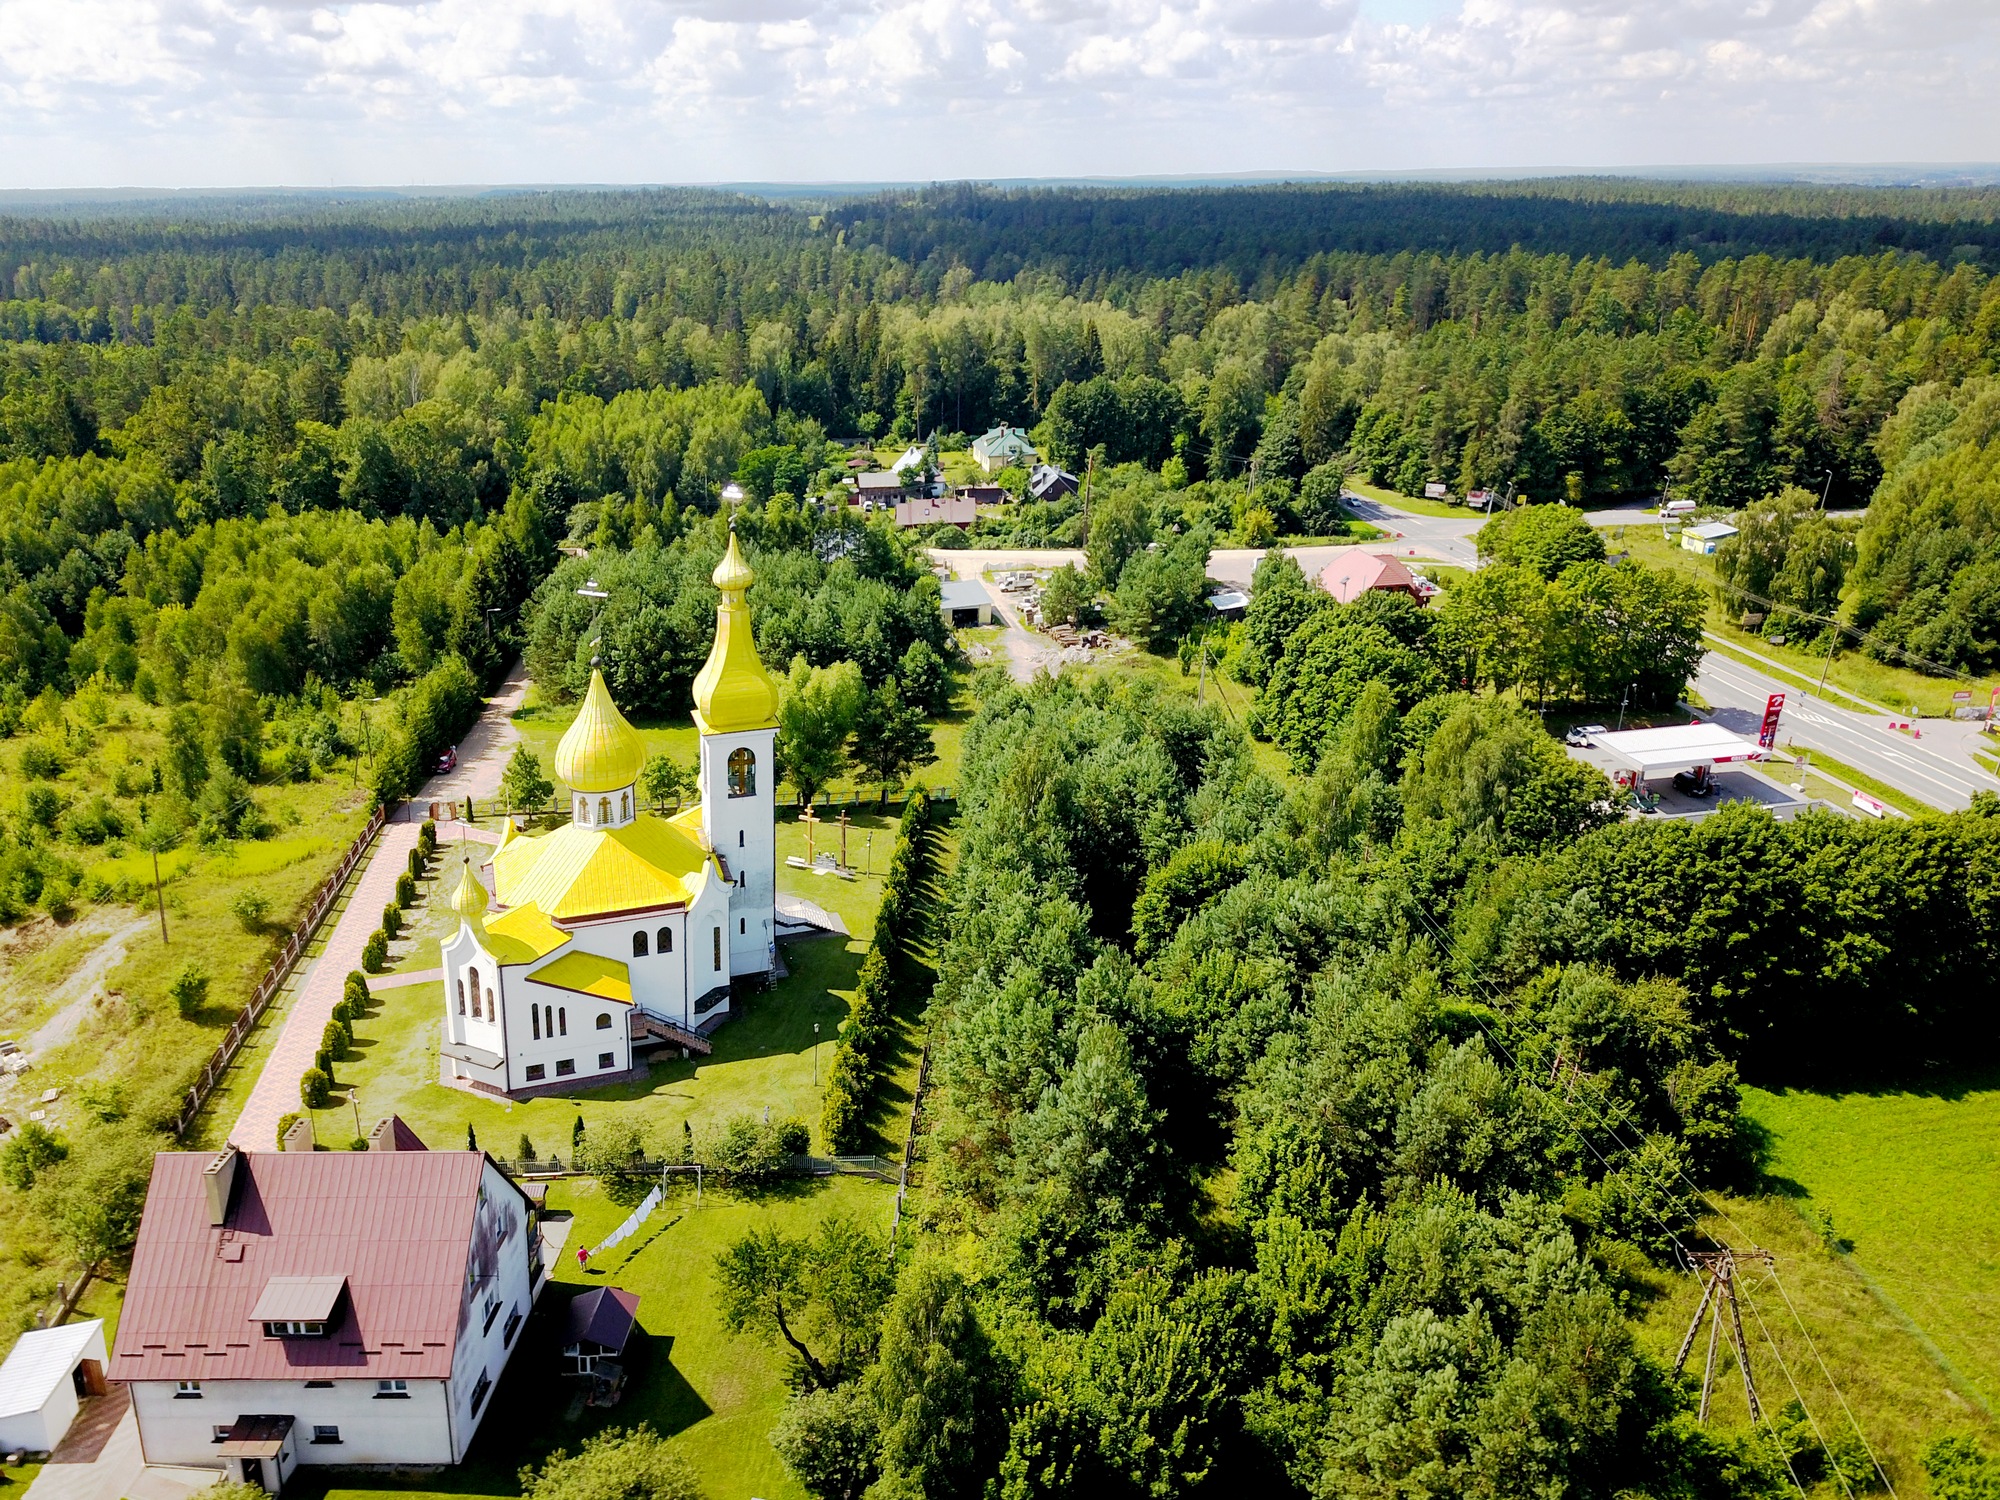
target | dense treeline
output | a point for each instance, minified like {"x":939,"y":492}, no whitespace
{"x":1099,"y":234}
{"x":1320,"y":1142}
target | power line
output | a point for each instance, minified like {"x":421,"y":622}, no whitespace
{"x":1446,"y":949}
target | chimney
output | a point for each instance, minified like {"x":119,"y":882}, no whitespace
{"x":219,"y":1177}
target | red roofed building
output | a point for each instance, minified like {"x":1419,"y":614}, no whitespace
{"x":328,"y":1307}
{"x":1355,"y":572}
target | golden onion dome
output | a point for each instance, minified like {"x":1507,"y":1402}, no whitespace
{"x":469,"y":900}
{"x":734,"y":692}
{"x":600,"y":752}
{"x":733,"y":573}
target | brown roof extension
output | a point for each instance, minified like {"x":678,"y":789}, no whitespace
{"x":396,"y":1225}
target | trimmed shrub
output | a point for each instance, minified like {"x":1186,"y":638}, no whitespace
{"x":416,"y":864}
{"x":406,"y":889}
{"x":392,"y":919}
{"x":354,"y":994}
{"x":427,"y":839}
{"x":336,"y":1040}
{"x":315,"y":1088}
{"x":376,"y":954}
{"x":285,"y":1123}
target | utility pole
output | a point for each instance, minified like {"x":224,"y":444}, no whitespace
{"x":1827,"y":665}
{"x":162,"y":900}
{"x":1717,"y":1269}
{"x":1089,"y":473}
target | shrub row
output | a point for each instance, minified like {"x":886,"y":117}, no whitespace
{"x":434,"y":712}
{"x":890,"y":973}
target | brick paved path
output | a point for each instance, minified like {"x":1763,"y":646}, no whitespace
{"x":277,"y":1090}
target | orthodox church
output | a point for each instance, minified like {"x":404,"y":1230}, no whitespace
{"x":622,"y":925}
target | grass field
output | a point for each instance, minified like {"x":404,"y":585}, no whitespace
{"x":1910,"y":1179}
{"x":717,"y":1392}
{"x":1900,"y":1398}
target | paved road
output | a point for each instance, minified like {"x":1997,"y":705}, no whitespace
{"x":1939,"y":779}
{"x":1447,"y":538}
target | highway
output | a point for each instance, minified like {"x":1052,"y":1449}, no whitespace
{"x":1934,"y":776}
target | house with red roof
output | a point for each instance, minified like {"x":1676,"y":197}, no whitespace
{"x":1355,"y":573}
{"x":327,"y":1307}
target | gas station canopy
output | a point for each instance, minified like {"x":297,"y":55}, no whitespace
{"x":1681,"y":747}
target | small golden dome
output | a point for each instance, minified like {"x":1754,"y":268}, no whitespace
{"x":732,"y":573}
{"x":469,"y":900}
{"x":600,"y":752}
{"x":734,"y":692}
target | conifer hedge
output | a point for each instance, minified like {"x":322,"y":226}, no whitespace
{"x":891,"y":972}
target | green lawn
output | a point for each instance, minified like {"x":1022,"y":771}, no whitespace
{"x":763,"y":1057}
{"x":1415,"y":505}
{"x":693,"y":1378}
{"x":1901,"y":1398}
{"x":718,"y":1392}
{"x":1911,"y":1179}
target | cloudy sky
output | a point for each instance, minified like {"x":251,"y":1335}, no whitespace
{"x":175,"y":93}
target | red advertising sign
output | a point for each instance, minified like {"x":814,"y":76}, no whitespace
{"x":1773,"y":707}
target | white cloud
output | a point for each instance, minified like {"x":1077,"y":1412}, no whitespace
{"x":179,"y":92}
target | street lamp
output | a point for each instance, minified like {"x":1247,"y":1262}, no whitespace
{"x":1827,"y":490}
{"x":815,"y":1054}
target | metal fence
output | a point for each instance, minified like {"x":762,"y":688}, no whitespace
{"x":274,"y":978}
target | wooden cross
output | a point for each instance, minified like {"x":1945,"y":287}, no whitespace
{"x":808,"y":818}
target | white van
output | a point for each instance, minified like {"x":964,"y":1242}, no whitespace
{"x":1677,"y":508}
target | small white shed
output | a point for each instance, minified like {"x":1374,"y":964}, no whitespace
{"x":45,"y":1379}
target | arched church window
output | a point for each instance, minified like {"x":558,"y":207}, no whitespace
{"x":492,"y":1010}
{"x":473,"y":976}
{"x":562,"y":1020}
{"x":638,"y":945}
{"x":603,"y":1021}
{"x":665,"y":940}
{"x":742,"y":773}
{"x":624,"y":805}
{"x":604,"y":809}
{"x":461,"y":994}
{"x":535,"y":1020}
{"x":583,"y":810}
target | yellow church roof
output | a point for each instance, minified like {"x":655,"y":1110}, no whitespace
{"x":734,"y":692}
{"x":588,"y":974}
{"x":523,"y":935}
{"x":588,"y":872}
{"x":599,"y":752}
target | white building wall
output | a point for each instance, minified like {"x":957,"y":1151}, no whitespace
{"x":743,"y":830}
{"x":39,"y":1431}
{"x":496,"y":1269}
{"x":569,"y":1033}
{"x":415,"y":1429}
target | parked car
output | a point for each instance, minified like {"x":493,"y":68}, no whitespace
{"x":448,"y":761}
{"x":1584,"y":735}
{"x":1695,"y":783}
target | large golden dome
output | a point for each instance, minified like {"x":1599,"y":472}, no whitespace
{"x":600,"y":752}
{"x":734,"y":692}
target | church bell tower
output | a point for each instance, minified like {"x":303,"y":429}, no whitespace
{"x":736,"y":711}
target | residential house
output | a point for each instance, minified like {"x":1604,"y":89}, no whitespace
{"x":1706,"y":537}
{"x":1355,"y":573}
{"x":330,"y":1307}
{"x":1047,"y":482}
{"x":882,"y":488}
{"x":1003,"y":448}
{"x":600,"y":1323}
{"x":926,"y":510}
{"x":984,"y":494}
